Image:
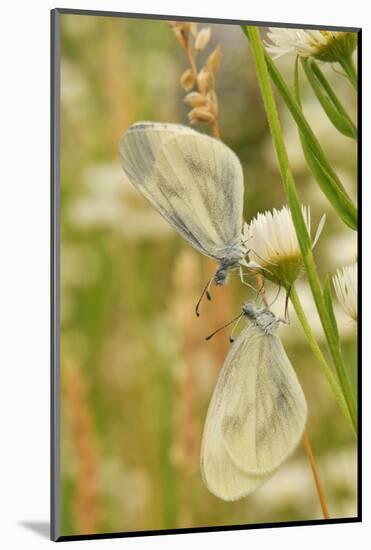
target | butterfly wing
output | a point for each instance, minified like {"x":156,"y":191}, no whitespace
{"x":256,"y":415}
{"x":193,"y":180}
{"x":221,"y":475}
{"x":139,"y":147}
{"x":264,"y":406}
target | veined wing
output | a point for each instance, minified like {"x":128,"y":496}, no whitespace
{"x":139,"y":147}
{"x":202,"y":181}
{"x":259,"y":403}
{"x":263,"y":425}
{"x":220,"y":474}
{"x":193,"y":180}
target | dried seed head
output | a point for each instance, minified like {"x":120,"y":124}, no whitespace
{"x":202,"y":39}
{"x":205,"y":81}
{"x":201,"y":114}
{"x":212,"y":102}
{"x":213,"y":60}
{"x":195,"y":99}
{"x":187,"y":80}
{"x":181,"y":37}
{"x":193,"y":28}
{"x":203,"y":100}
{"x":181,"y":31}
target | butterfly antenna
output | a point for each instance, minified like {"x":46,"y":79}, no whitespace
{"x":206,"y":291}
{"x":231,"y":339}
{"x":224,"y":326}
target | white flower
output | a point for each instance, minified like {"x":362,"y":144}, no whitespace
{"x":273,"y":245}
{"x":345,"y":283}
{"x":324,"y":45}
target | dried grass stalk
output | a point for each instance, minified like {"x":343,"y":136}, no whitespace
{"x":86,"y":504}
{"x":203,"y":102}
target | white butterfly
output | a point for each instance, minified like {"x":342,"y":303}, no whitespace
{"x":195,"y":182}
{"x":257,"y":413}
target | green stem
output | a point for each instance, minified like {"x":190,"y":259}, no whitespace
{"x":298,"y":218}
{"x":331,"y":337}
{"x":350,"y":70}
{"x":318,"y":353}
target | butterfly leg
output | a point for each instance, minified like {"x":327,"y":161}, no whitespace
{"x":244,"y":282}
{"x":276,"y":296}
{"x":286,"y":320}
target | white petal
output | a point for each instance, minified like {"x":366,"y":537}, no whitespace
{"x":319,"y":230}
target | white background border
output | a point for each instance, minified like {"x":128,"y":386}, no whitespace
{"x":24,"y":304}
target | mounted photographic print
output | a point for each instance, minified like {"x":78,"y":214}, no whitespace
{"x":204,"y":275}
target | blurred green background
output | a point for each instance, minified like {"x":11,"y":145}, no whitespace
{"x":136,"y":372}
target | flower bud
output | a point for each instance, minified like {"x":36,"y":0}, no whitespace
{"x":273,"y":245}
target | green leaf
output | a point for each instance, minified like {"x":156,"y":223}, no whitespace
{"x":328,"y":99}
{"x":339,"y":200}
{"x":323,"y":173}
{"x":343,"y":204}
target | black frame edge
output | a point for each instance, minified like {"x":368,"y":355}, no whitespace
{"x":128,"y":15}
{"x":190,"y":530}
{"x":54,"y":275}
{"x":360,"y":261}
